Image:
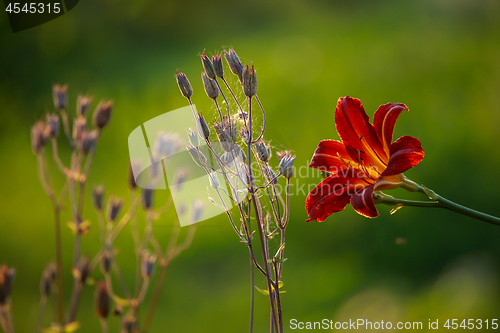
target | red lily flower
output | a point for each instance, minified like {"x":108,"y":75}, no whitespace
{"x":366,"y":160}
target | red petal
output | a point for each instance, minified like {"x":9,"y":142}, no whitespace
{"x":362,"y":202}
{"x":333,"y":194}
{"x":385,"y":119}
{"x":326,"y":157}
{"x":406,"y":153}
{"x":355,"y":130}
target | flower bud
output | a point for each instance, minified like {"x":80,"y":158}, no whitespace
{"x":148,"y":263}
{"x":218,"y":68}
{"x":208,"y":66}
{"x":98,"y":197}
{"x":184,"y":85}
{"x":147,"y":197}
{"x":203,"y":127}
{"x":114,"y":207}
{"x":38,"y":136}
{"x":102,"y":114}
{"x":82,"y":105}
{"x":249,"y":81}
{"x":60,"y":95}
{"x":193,"y":138}
{"x":52,"y":125}
{"x":210,"y":86}
{"x":263,"y":151}
{"x":88,"y":141}
{"x":286,"y":164}
{"x":234,"y":63}
{"x":102,"y":300}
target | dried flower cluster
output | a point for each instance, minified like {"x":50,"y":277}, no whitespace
{"x":239,"y":160}
{"x":111,"y":220}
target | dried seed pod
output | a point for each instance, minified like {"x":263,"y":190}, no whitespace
{"x":193,"y":137}
{"x":79,"y":127}
{"x":218,"y":68}
{"x":98,"y":197}
{"x":102,"y":300}
{"x":147,"y":197}
{"x":52,"y":125}
{"x":203,"y":127}
{"x":106,"y":261}
{"x":148,"y":263}
{"x":249,"y":81}
{"x":184,"y":85}
{"x":48,"y":278}
{"x":197,"y":210}
{"x":102,"y":114}
{"x":114,"y":206}
{"x":270,"y":174}
{"x":88,"y":141}
{"x":60,"y":94}
{"x":38,"y":136}
{"x":263,"y":150}
{"x":196,"y":155}
{"x":81,"y":271}
{"x":82,"y":105}
{"x":208,"y":66}
{"x":210,"y":86}
{"x":286,"y":165}
{"x":234,"y":63}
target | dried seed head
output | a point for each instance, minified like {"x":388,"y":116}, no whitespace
{"x":203,"y":127}
{"x":208,"y":66}
{"x":196,"y":155}
{"x":107,"y":260}
{"x":167,"y":144}
{"x":81,"y":271}
{"x":38,"y":136}
{"x":102,"y":300}
{"x":60,"y":94}
{"x":249,"y":81}
{"x":114,"y":206}
{"x":79,"y":127}
{"x":226,"y":133}
{"x":218,"y":68}
{"x":184,"y":85}
{"x":263,"y":150}
{"x":6,"y":278}
{"x":193,"y":137}
{"x":148,"y":263}
{"x":98,"y":197}
{"x":286,"y":164}
{"x":197,"y":210}
{"x":88,"y":141}
{"x":48,"y":278}
{"x":210,"y":86}
{"x":102,"y":114}
{"x":52,"y":125}
{"x":234,"y":63}
{"x":82,"y":105}
{"x":147,"y":198}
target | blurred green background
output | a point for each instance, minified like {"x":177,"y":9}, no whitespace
{"x":439,"y":57}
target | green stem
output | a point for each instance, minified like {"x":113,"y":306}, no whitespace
{"x":437,"y":202}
